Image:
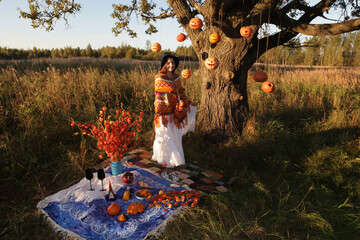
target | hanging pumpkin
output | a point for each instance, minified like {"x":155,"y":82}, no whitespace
{"x":123,"y":217}
{"x":214,"y":38}
{"x":114,"y":209}
{"x":156,"y":47}
{"x":186,"y":73}
{"x":181,"y":37}
{"x":211,"y":63}
{"x":260,"y":76}
{"x":246,"y":31}
{"x":195,"y":23}
{"x":268,"y":87}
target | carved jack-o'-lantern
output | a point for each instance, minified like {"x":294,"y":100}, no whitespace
{"x":186,"y":73}
{"x":214,"y":38}
{"x":156,"y":47}
{"x":181,"y":37}
{"x":260,"y":76}
{"x":246,"y":31}
{"x":211,"y":63}
{"x":195,"y":23}
{"x":268,"y":87}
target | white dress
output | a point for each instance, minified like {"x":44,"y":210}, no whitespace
{"x":167,"y":146}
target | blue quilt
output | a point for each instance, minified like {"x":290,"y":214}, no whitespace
{"x":90,"y":220}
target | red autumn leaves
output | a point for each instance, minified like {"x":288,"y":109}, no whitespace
{"x":115,"y":135}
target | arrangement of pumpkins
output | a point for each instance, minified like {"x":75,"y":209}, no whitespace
{"x":172,"y":199}
{"x":175,"y":199}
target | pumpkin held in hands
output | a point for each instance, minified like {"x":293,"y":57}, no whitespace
{"x":268,"y":87}
{"x":135,"y":208}
{"x":114,"y":209}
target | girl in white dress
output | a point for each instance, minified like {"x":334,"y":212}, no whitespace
{"x":174,"y":114}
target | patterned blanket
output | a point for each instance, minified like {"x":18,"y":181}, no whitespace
{"x":191,"y":175}
{"x":81,"y":213}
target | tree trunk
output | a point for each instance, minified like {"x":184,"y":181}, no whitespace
{"x":224,"y":102}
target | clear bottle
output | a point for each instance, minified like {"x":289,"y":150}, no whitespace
{"x":126,"y":196}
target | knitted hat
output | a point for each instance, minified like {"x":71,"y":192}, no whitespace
{"x":165,"y":57}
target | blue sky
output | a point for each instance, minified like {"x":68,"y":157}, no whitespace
{"x":92,"y":25}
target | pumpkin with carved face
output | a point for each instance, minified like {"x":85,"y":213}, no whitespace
{"x":156,"y":47}
{"x":268,"y":87}
{"x":260,"y":76}
{"x":195,"y":23}
{"x":186,"y":73}
{"x":181,"y":37}
{"x":211,"y":63}
{"x":214,"y":38}
{"x":246,"y":31}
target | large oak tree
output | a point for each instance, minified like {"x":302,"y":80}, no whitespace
{"x":224,"y":102}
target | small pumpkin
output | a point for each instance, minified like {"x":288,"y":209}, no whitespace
{"x":181,"y":37}
{"x":211,"y":63}
{"x":260,"y":76}
{"x":135,"y":208}
{"x":156,"y":47}
{"x":214,"y":38}
{"x":268,"y":87}
{"x":123,"y":217}
{"x":186,"y":73}
{"x":246,"y":31}
{"x":114,"y":209}
{"x":195,"y":23}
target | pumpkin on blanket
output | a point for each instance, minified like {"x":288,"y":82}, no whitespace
{"x":170,"y":101}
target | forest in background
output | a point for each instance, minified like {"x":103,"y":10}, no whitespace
{"x":337,"y":50}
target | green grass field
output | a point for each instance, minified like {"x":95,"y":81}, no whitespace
{"x":296,"y":165}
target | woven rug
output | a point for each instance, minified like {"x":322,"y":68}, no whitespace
{"x":189,"y":175}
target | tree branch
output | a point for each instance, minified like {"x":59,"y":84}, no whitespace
{"x":327,"y":29}
{"x":161,"y":16}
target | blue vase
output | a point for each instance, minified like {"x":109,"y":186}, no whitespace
{"x":116,"y":168}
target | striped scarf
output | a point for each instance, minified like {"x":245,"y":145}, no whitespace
{"x":170,"y":101}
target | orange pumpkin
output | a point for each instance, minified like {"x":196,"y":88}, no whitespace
{"x":211,"y":63}
{"x":186,"y":73}
{"x":246,"y":31}
{"x":156,"y":47}
{"x":260,"y":76}
{"x":114,"y":209}
{"x":181,"y":37}
{"x":214,"y":38}
{"x":195,"y":23}
{"x":268,"y":87}
{"x":135,"y":208}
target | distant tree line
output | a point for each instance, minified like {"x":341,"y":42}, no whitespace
{"x":337,"y":50}
{"x":124,"y":51}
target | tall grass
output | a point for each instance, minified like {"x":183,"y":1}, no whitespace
{"x":296,"y":166}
